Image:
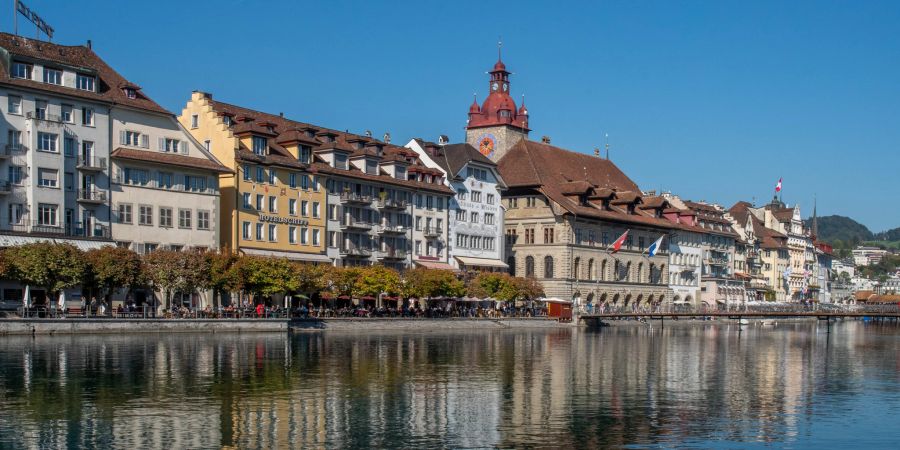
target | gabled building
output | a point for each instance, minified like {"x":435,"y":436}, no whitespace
{"x":774,"y":253}
{"x":315,"y":194}
{"x":475,"y":214}
{"x":719,"y":287}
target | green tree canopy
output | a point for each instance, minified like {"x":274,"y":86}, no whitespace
{"x":374,"y":280}
{"x":109,"y":268}
{"x":268,"y":276}
{"x":50,"y":265}
{"x":170,"y":271}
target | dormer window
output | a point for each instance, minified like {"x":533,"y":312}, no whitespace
{"x":52,"y":76}
{"x":371,"y":167}
{"x":400,"y":172}
{"x":227,"y":120}
{"x":85,"y":82}
{"x":304,"y":153}
{"x":130,"y":93}
{"x":21,"y":70}
{"x":260,"y":144}
{"x":340,"y":161}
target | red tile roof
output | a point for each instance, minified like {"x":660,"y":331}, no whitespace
{"x":170,"y":159}
{"x":82,"y":59}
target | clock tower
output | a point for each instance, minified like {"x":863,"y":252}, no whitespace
{"x":496,"y":125}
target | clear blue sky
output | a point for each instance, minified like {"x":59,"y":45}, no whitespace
{"x":713,"y":100}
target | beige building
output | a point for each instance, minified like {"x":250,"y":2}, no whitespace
{"x":560,"y":224}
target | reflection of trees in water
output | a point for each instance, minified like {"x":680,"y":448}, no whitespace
{"x":617,"y":386}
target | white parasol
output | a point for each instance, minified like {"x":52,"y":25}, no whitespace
{"x":26,"y":301}
{"x":61,"y":303}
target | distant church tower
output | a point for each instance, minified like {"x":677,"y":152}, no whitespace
{"x":497,"y":125}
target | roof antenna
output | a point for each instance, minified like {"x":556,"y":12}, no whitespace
{"x":607,"y":146}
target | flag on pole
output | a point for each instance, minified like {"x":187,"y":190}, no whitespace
{"x":621,"y":240}
{"x":778,"y":186}
{"x":654,"y":247}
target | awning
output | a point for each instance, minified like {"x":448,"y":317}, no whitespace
{"x":7,"y":240}
{"x":296,"y":256}
{"x":435,"y":265}
{"x":481,"y":262}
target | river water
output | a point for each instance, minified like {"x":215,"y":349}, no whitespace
{"x":790,"y":385}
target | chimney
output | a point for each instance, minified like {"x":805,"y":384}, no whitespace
{"x":368,"y":133}
{"x":281,"y":114}
{"x":597,"y":152}
{"x":387,"y":138}
{"x":89,"y":43}
{"x":545,"y":139}
{"x":443,"y":139}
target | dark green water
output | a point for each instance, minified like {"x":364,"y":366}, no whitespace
{"x":793,"y":385}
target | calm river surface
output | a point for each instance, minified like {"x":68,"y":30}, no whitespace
{"x":792,"y":385}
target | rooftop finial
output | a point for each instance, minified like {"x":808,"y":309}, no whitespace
{"x":607,"y":146}
{"x":499,"y":47}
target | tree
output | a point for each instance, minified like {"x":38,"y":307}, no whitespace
{"x":110,"y":268}
{"x":171,"y":271}
{"x":377,"y":279}
{"x":424,"y":283}
{"x":486,"y":284}
{"x":268,"y":276}
{"x":53,"y":266}
{"x":340,"y":281}
{"x":224,"y":273}
{"x":312,"y":278}
{"x":504,"y":287}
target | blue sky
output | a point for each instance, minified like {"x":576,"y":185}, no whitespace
{"x":713,"y":100}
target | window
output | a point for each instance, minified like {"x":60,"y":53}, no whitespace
{"x":40,"y":109}
{"x":548,"y":267}
{"x":271,"y":176}
{"x":125,"y":213}
{"x":202,"y":220}
{"x":67,"y":115}
{"x":184,"y":218}
{"x":549,"y":235}
{"x":52,"y":76}
{"x":476,"y":196}
{"x":259,"y":145}
{"x":340,"y":161}
{"x":21,"y":70}
{"x":69,"y":180}
{"x":194,"y":183}
{"x":332,"y":239}
{"x":260,"y":174}
{"x":14,"y":138}
{"x":304,"y":153}
{"x":304,"y":235}
{"x":47,"y":214}
{"x":490,"y":199}
{"x":462,"y":195}
{"x":488,"y":219}
{"x":47,"y":142}
{"x":174,"y":146}
{"x":530,"y":202}
{"x":194,"y":120}
{"x":15,"y":104}
{"x":292,"y":207}
{"x":332,"y":212}
{"x":16,"y":213}
{"x":304,"y":208}
{"x":315,"y":240}
{"x":429,"y":202}
{"x":259,"y":232}
{"x":87,"y":116}
{"x":461,"y":215}
{"x":165,"y":217}
{"x":304,"y":182}
{"x":259,"y":202}
{"x":529,"y":266}
{"x":473,"y":217}
{"x":146,"y":215}
{"x":15,"y":174}
{"x":84,"y":82}
{"x":315,"y":184}
{"x":273,"y":230}
{"x":138,"y":177}
{"x":247,"y":175}
{"x":48,"y":177}
{"x":315,"y":211}
{"x":165,"y":179}
{"x":245,"y":230}
{"x":130,"y":93}
{"x":529,"y":235}
{"x":418,"y":247}
{"x":418,"y":223}
{"x":227,"y":120}
{"x":292,"y":180}
{"x":273,"y":204}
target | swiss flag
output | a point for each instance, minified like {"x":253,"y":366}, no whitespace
{"x":621,"y":240}
{"x":778,"y":186}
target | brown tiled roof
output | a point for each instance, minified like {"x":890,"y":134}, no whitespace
{"x":740,"y":211}
{"x":548,"y":168}
{"x":626,"y":197}
{"x":654,"y":202}
{"x":109,"y":83}
{"x":272,"y":159}
{"x":353,"y":173}
{"x":454,"y":157}
{"x":783,"y":214}
{"x":169,"y":158}
{"x":252,"y":127}
{"x":295,"y":135}
{"x":579,"y":187}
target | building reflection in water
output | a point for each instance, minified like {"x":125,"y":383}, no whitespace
{"x":682,"y":384}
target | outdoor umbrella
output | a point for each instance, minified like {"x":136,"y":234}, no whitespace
{"x":61,"y":304}
{"x":26,"y":302}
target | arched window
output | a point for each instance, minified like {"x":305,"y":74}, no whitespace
{"x":603,"y":270}
{"x":640,"y":273}
{"x":628,"y":271}
{"x":662,"y":272}
{"x":650,"y":274}
{"x":548,"y":267}
{"x":511,"y":262}
{"x":616,"y":271}
{"x":529,"y":266}
{"x":576,"y":269}
{"x":591,"y":270}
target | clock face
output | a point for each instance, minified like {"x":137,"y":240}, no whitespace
{"x":505,"y":87}
{"x":486,"y":144}
{"x":494,"y":86}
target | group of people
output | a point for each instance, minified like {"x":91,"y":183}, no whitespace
{"x":416,"y":311}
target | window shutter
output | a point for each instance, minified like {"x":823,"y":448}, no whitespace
{"x":145,"y":141}
{"x":122,"y":137}
{"x":162,"y":144}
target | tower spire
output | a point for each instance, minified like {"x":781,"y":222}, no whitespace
{"x":815,"y":221}
{"x":499,"y":47}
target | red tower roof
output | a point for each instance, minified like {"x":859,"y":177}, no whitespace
{"x":498,"y":108}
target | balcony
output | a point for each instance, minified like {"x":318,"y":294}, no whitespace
{"x":391,"y":254}
{"x":91,"y":164}
{"x":91,"y":196}
{"x":355,"y":252}
{"x":74,"y":230}
{"x":43,"y":116}
{"x":392,"y":229}
{"x":5,"y":187}
{"x":355,"y":199}
{"x":351,"y":224}
{"x":716,"y":261}
{"x":9,"y":150}
{"x":392,"y":204}
{"x":432,"y":232}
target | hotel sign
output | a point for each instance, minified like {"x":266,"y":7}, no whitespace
{"x":34,"y":18}
{"x":287,"y":220}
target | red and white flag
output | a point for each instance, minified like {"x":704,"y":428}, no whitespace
{"x":621,"y":240}
{"x":778,"y":186}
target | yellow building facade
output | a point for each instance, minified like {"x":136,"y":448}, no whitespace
{"x":274,"y":203}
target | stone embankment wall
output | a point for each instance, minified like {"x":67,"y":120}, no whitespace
{"x":91,"y":326}
{"x":363,"y":324}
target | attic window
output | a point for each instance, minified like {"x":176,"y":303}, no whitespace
{"x":259,"y":145}
{"x":130,"y":93}
{"x":21,"y":70}
{"x":227,"y":121}
{"x":85,"y":82}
